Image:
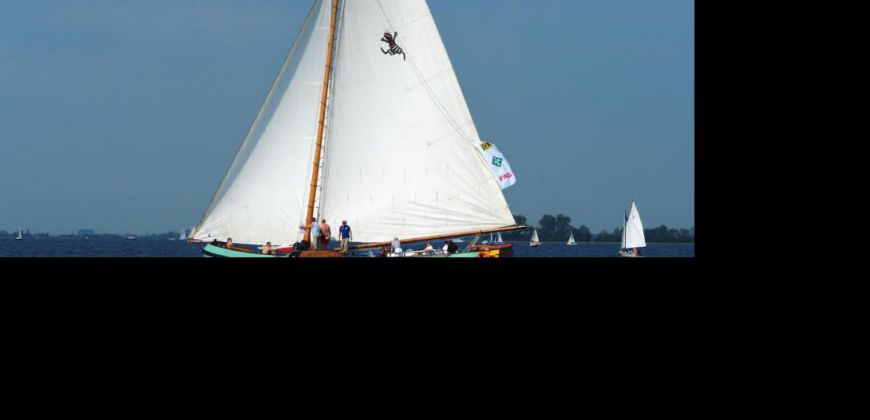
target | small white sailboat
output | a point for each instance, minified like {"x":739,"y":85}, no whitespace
{"x":18,"y":238}
{"x":632,"y":234}
{"x":183,"y":236}
{"x":498,"y":239}
{"x":571,"y":241}
{"x":534,"y":242}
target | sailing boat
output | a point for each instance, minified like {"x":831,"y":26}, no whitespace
{"x":632,"y":234}
{"x":18,"y":238}
{"x":534,"y":242}
{"x":366,"y":122}
{"x":498,"y":239}
{"x":183,"y":236}
{"x":571,"y":241}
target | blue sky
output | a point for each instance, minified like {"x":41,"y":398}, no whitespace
{"x":123,"y":116}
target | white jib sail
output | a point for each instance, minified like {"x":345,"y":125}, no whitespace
{"x":264,"y":195}
{"x":403,"y":156}
{"x":571,"y":240}
{"x":634,"y":230}
{"x":534,"y":239}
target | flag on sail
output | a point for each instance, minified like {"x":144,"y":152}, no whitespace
{"x":498,"y":165}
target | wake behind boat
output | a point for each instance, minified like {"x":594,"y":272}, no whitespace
{"x":367,"y":123}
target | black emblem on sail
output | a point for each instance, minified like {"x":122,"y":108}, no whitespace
{"x":394,"y":47}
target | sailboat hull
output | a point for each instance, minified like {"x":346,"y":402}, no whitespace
{"x":626,"y":254}
{"x":212,"y":251}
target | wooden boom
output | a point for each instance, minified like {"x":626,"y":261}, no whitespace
{"x":445,"y":236}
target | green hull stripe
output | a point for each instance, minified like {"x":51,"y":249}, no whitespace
{"x":218,"y":252}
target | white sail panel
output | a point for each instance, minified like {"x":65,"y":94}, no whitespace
{"x":264,"y":195}
{"x":403,"y":153}
{"x":634,"y":230}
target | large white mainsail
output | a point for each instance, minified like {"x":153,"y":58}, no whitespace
{"x":403,"y":156}
{"x":264,"y":195}
{"x":633,"y":230}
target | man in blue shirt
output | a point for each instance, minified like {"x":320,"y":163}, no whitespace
{"x":345,"y":235}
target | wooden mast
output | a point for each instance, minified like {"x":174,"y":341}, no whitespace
{"x":317,"y":151}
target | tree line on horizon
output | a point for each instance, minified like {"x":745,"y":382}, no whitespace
{"x":558,"y":228}
{"x":85,"y":233}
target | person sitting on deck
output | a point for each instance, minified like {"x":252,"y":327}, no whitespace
{"x":429,"y":249}
{"x":452,"y":248}
{"x":233,"y":247}
{"x":396,"y":245}
{"x":267,"y":249}
{"x":384,"y":252}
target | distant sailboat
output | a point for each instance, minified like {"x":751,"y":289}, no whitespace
{"x":534,"y":241}
{"x":571,"y":241}
{"x":18,"y":238}
{"x":183,"y":236}
{"x":632,"y":234}
{"x":498,"y":239}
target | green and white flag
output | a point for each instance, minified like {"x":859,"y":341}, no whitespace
{"x":498,"y":165}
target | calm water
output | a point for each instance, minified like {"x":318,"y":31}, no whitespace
{"x":181,"y":249}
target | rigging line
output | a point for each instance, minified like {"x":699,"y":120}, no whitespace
{"x":440,"y":106}
{"x":330,"y":102}
{"x":426,"y":86}
{"x":262,"y":109}
{"x":327,"y":77}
